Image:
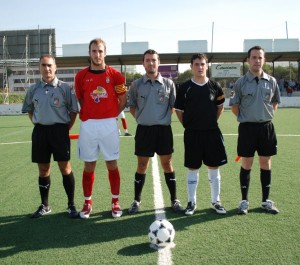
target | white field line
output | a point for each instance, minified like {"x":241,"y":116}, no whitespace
{"x":164,"y":254}
{"x":16,"y":143}
{"x":235,"y":134}
{"x":175,"y":135}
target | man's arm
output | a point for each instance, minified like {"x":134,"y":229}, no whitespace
{"x":235,"y":109}
{"x":179,"y":114}
{"x":72,"y":119}
{"x":122,"y":102}
{"x":30,"y":115}
{"x":132,"y":111}
{"x":220,"y":110}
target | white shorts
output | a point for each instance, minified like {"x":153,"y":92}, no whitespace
{"x":99,"y":136}
{"x":122,"y":115}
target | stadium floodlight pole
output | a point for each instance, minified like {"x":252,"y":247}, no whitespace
{"x":5,"y":78}
{"x":212,"y":37}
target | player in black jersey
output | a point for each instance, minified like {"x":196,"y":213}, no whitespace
{"x":198,"y":105}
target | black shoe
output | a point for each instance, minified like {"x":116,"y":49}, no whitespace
{"x":218,"y":208}
{"x":269,"y":207}
{"x":42,"y":210}
{"x":127,"y":134}
{"x":177,"y":207}
{"x":190,"y":209}
{"x":72,"y":211}
{"x":134,"y":208}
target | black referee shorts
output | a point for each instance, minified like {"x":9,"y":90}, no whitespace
{"x":48,"y":140}
{"x":260,"y":137}
{"x":153,"y":139}
{"x":204,"y":146}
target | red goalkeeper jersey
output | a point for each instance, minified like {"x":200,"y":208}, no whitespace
{"x":98,"y":91}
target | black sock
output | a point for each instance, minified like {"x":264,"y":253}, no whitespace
{"x":44,"y":186}
{"x":139,"y":182}
{"x":265,"y":179}
{"x":171,"y":183}
{"x":245,"y":182}
{"x":69,"y":185}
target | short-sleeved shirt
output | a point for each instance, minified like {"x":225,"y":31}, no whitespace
{"x":99,"y":91}
{"x":199,"y":104}
{"x":152,"y":100}
{"x":255,"y":97}
{"x":50,"y":103}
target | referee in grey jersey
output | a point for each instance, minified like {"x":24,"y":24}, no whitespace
{"x":52,"y":107}
{"x":254,"y":100}
{"x":151,"y":100}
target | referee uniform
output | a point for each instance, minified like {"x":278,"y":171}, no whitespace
{"x":256,"y":130}
{"x":52,"y":108}
{"x":253,"y":101}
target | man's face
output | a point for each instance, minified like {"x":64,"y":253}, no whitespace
{"x":256,"y":60}
{"x":47,"y":69}
{"x":97,"y":54}
{"x":199,"y":68}
{"x":151,"y":63}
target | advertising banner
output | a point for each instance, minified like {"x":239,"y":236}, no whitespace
{"x":226,"y":70}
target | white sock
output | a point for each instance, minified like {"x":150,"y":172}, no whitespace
{"x":192,"y":184}
{"x":214,"y":178}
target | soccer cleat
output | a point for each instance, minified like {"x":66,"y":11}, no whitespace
{"x":127,"y":134}
{"x":177,"y":207}
{"x":72,"y":211}
{"x":269,"y":207}
{"x":217,"y":206}
{"x":243,"y":207}
{"x":134,"y":208}
{"x":116,"y":210}
{"x":86,"y":211}
{"x":190,"y":209}
{"x":42,"y":210}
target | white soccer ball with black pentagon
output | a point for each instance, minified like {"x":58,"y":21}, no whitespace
{"x":161,"y":233}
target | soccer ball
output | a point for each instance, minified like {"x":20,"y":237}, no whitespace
{"x":161,"y":233}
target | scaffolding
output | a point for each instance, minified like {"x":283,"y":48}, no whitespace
{"x":5,"y":77}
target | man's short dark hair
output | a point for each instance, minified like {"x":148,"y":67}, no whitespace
{"x":47,"y":56}
{"x":200,"y":56}
{"x":150,"y":51}
{"x":257,"y":47}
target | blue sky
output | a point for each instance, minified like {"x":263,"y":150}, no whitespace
{"x":161,"y":23}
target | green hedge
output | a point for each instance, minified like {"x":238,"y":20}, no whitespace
{"x":13,"y":98}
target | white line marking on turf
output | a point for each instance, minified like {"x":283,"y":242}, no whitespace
{"x":235,"y":134}
{"x":16,"y":142}
{"x":175,"y":135}
{"x":164,"y":254}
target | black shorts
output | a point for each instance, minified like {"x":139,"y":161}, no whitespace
{"x":153,"y":139}
{"x":204,"y":146}
{"x":260,"y":137}
{"x":48,"y":140}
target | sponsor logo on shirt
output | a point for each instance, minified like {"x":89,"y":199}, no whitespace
{"x":98,"y":93}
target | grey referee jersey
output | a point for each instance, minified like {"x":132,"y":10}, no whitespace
{"x":255,"y":97}
{"x":50,"y":103}
{"x":152,"y":100}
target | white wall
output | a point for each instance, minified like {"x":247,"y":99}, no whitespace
{"x":286,"y":102}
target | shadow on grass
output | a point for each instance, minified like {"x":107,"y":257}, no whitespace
{"x":21,"y":233}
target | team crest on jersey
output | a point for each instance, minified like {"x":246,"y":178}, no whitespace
{"x":212,"y":97}
{"x":107,"y":80}
{"x":56,"y":102}
{"x":232,"y":94}
{"x":267,"y":97}
{"x":99,"y":93}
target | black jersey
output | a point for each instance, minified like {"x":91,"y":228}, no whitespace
{"x":199,"y":104}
